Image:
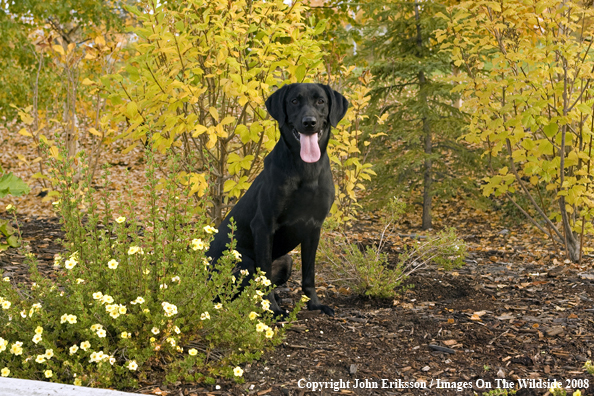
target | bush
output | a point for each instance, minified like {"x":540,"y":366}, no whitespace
{"x":131,"y":296}
{"x":367,"y":271}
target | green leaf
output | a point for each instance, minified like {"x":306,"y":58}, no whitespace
{"x":13,"y":185}
{"x":300,"y":73}
{"x":551,"y":129}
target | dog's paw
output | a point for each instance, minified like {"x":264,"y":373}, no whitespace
{"x":324,"y":308}
{"x":281,"y":315}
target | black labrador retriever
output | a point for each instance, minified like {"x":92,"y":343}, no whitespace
{"x":287,"y":203}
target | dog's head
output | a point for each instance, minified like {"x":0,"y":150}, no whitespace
{"x":305,"y":113}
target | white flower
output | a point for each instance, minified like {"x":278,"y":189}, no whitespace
{"x":6,"y":304}
{"x":170,"y":309}
{"x":218,"y":306}
{"x":101,"y":333}
{"x":73,"y":349}
{"x":236,"y":254}
{"x":210,"y":230}
{"x":139,"y":300}
{"x":112,"y":264}
{"x":155,"y":331}
{"x":177,"y":330}
{"x":120,"y":219}
{"x":269,"y":333}
{"x":204,"y":316}
{"x":5,"y":372}
{"x":70,"y":263}
{"x":176,"y":279}
{"x":192,"y":352}
{"x":132,"y":365}
{"x":133,"y":250}
{"x":36,"y":338}
{"x":98,"y":295}
{"x":85,"y":345}
{"x":260,"y":327}
{"x":237,"y":371}
{"x":266,"y":305}
{"x":163,"y":286}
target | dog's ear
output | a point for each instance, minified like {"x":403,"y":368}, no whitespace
{"x":275,"y":104}
{"x":338,"y":105}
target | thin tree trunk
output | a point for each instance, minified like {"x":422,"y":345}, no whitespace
{"x":427,"y":177}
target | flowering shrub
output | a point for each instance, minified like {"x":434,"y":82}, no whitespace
{"x":130,"y":296}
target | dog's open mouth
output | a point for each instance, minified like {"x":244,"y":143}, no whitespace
{"x":310,"y":148}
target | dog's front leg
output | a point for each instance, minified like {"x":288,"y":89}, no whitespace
{"x":263,"y":237}
{"x":308,"y":258}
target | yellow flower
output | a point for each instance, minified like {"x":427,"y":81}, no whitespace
{"x":97,"y":296}
{"x":266,"y":305}
{"x":253,"y":315}
{"x":132,"y":365}
{"x":179,"y":349}
{"x":49,"y":353}
{"x":38,"y":330}
{"x":73,"y":349}
{"x":9,"y":207}
{"x":120,"y":219}
{"x":40,"y":359}
{"x":36,"y":338}
{"x":85,"y":345}
{"x":260,"y":327}
{"x":106,"y":299}
{"x":304,"y":298}
{"x":237,"y":371}
{"x":133,"y":250}
{"x":77,"y":382}
{"x":193,"y":352}
{"x":112,"y":264}
{"x":5,"y":372}
{"x":125,"y":334}
{"x":197,"y":244}
{"x":269,"y":333}
{"x":152,"y":339}
{"x":3,"y":344}
{"x":71,"y":319}
{"x":16,"y":348}
{"x":96,"y":327}
{"x":48,"y":373}
{"x":210,"y":230}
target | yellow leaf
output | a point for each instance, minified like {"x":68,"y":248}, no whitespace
{"x":198,"y":184}
{"x":71,"y":46}
{"x":54,"y":152}
{"x":95,"y":132}
{"x":227,"y":120}
{"x":59,"y":49}
{"x":24,"y":132}
{"x":26,"y":118}
{"x":130,"y":148}
{"x":214,"y":113}
{"x":86,"y":81}
{"x":99,"y":40}
{"x":199,"y":130}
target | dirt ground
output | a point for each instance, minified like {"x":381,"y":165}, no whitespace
{"x":514,"y":313}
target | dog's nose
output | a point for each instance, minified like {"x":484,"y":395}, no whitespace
{"x":309,"y":122}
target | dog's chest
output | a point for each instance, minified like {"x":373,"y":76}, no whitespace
{"x":307,"y":204}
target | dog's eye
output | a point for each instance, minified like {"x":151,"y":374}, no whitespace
{"x":321,"y":101}
{"x":295,"y":101}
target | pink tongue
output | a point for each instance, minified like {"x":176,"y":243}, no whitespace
{"x":310,"y":151}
